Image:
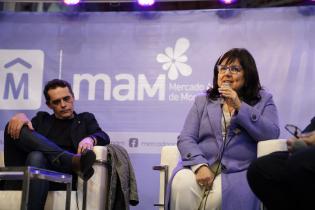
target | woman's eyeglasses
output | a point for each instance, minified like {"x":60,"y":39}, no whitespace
{"x":233,"y":69}
{"x":294,"y":130}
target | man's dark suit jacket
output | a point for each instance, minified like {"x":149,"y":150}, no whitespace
{"x":310,"y":127}
{"x":84,"y":125}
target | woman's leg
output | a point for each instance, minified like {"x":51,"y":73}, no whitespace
{"x":187,"y":193}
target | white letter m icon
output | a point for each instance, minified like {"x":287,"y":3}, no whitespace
{"x":21,"y":76}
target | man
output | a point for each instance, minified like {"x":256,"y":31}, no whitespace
{"x":62,"y":141}
{"x":285,"y":180}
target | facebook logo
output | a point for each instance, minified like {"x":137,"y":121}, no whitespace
{"x":21,"y":76}
{"x":133,"y":142}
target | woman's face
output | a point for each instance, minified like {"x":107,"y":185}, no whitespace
{"x":231,"y":74}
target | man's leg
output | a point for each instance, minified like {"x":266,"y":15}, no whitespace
{"x":58,"y":158}
{"x":34,"y":141}
{"x":268,"y":178}
{"x":38,"y":188}
{"x":13,"y":156}
{"x":301,"y":167}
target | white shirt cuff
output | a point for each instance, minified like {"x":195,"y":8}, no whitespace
{"x":194,"y":168}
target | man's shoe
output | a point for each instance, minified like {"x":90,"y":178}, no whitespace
{"x":82,"y":164}
{"x":88,"y":174}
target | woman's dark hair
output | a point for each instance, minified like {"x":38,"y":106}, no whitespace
{"x":53,"y":84}
{"x":249,"y":93}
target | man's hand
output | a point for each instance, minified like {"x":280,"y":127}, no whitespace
{"x":308,"y":138}
{"x":86,"y":143}
{"x":16,"y":123}
{"x":290,"y":143}
{"x":204,"y":176}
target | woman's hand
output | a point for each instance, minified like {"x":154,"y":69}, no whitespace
{"x":230,"y":96}
{"x":204,"y":176}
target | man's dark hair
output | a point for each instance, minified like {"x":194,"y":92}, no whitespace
{"x":249,"y":93}
{"x":53,"y":84}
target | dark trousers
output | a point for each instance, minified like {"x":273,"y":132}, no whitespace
{"x":33,"y":149}
{"x":284,"y":181}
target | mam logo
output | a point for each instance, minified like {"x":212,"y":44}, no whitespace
{"x":21,"y":75}
{"x":129,"y":87}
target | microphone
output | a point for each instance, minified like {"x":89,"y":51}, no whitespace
{"x":222,"y":98}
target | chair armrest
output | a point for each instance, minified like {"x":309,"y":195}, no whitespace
{"x":97,"y":186}
{"x":101,"y":154}
{"x":268,"y":146}
{"x":169,"y":159}
{"x":163,"y":169}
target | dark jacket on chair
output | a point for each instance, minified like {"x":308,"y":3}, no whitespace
{"x":123,"y":186}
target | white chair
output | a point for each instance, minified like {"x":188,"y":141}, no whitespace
{"x":170,"y":157}
{"x":96,"y":189}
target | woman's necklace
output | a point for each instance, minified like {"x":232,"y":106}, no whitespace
{"x":229,"y":109}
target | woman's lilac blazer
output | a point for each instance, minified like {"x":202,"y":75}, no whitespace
{"x":201,"y":141}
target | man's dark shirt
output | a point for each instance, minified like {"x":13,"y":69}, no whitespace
{"x":60,"y":133}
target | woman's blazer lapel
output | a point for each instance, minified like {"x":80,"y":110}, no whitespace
{"x":215,"y":115}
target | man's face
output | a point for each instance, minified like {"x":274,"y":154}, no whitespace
{"x":61,"y":102}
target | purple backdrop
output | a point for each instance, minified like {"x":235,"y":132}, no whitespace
{"x":139,"y":72}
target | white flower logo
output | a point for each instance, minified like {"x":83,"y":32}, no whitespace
{"x":174,"y":59}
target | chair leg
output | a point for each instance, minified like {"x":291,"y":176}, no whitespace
{"x":68,"y":196}
{"x":165,"y":170}
{"x":84,"y":195}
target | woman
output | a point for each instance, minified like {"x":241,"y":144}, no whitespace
{"x":219,"y":138}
